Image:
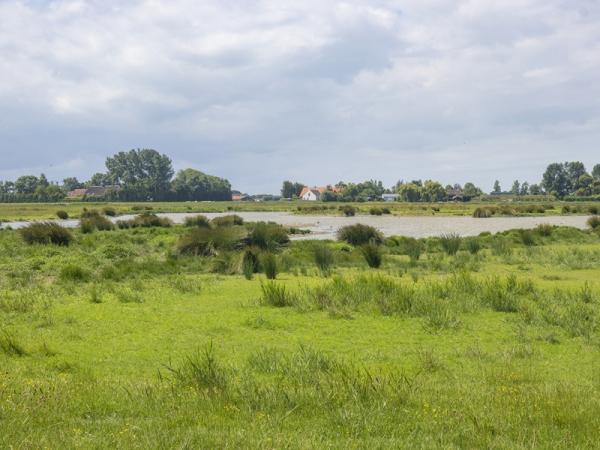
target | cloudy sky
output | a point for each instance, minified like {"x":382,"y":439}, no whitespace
{"x":315,"y":91}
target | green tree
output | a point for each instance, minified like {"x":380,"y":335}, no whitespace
{"x":71,"y":183}
{"x":524,"y":188}
{"x":596,"y":172}
{"x":432,"y":191}
{"x":497,"y":188}
{"x":291,"y":189}
{"x":409,"y":192}
{"x":470,"y":191}
{"x":574,"y":169}
{"x":26,"y":184}
{"x":516,"y":188}
{"x":191,"y":184}
{"x":535,"y":189}
{"x":99,"y":179}
{"x":143,"y":173}
{"x":555,"y":180}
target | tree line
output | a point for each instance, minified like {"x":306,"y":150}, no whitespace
{"x":568,"y":179}
{"x":135,"y":175}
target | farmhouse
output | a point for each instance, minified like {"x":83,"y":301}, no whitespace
{"x":93,"y":191}
{"x":389,"y":197}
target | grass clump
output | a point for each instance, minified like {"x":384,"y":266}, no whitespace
{"x":450,"y":243}
{"x":323,"y":257}
{"x":269,"y":264}
{"x":148,"y":220}
{"x":227,"y":221}
{"x":10,"y":346}
{"x":197,"y":221}
{"x":348,"y":210}
{"x":109,"y":211}
{"x":473,"y":245}
{"x":275,"y":294}
{"x":250,"y":264}
{"x":594,"y":222}
{"x":360,"y":234}
{"x":482,"y":213}
{"x":209,"y":241}
{"x":61,"y":214}
{"x":372,"y":254}
{"x":46,"y":233}
{"x":95,"y":221}
{"x":203,"y":372}
{"x":266,"y":236}
{"x":544,"y":229}
{"x":73,"y":272}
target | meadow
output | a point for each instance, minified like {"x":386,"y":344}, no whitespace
{"x":225,"y":334}
{"x":47,"y":211}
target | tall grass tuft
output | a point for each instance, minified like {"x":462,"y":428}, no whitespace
{"x":227,"y":221}
{"x":544,"y":229}
{"x":372,"y":254}
{"x":269,"y":263}
{"x":209,"y":241}
{"x":482,"y":213}
{"x":323,"y":258}
{"x":197,"y":221}
{"x":473,"y":245}
{"x":360,"y":234}
{"x":250,"y":264}
{"x":46,"y":233}
{"x":10,"y":346}
{"x":450,"y":243}
{"x":61,"y":214}
{"x":203,"y":372}
{"x":527,"y":238}
{"x":95,"y":222}
{"x":72,"y":272}
{"x":266,"y":236}
{"x":594,"y":222}
{"x":275,"y":294}
{"x":348,"y":210}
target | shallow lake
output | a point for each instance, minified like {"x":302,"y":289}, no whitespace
{"x":325,"y":227}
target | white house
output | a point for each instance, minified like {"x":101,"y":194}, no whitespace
{"x":311,"y":194}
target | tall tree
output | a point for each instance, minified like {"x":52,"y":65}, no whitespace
{"x":26,"y":184}
{"x":516,"y":188}
{"x":556,"y":180}
{"x":497,"y":188}
{"x":71,"y":183}
{"x":596,"y":172}
{"x":191,"y":184}
{"x":141,"y":172}
{"x":574,"y":169}
{"x":524,"y":188}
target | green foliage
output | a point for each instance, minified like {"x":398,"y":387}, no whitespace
{"x":9,"y":345}
{"x":359,"y":234}
{"x":266,"y":235}
{"x":61,"y":214}
{"x":145,"y":220}
{"x":109,"y":211}
{"x":348,"y":210}
{"x":269,"y":264}
{"x":73,"y":272}
{"x":544,"y":229}
{"x":594,"y":222}
{"x":372,"y":254}
{"x":197,"y":221}
{"x":202,"y":371}
{"x":276,"y":294}
{"x":227,"y":221}
{"x":323,"y":258}
{"x":450,"y":243}
{"x":46,"y":233}
{"x":482,"y":212}
{"x":473,"y":245}
{"x":193,"y":185}
{"x":209,"y":241}
{"x":250,"y":264}
{"x":95,"y":221}
{"x":527,"y":237}
{"x":376,"y":211}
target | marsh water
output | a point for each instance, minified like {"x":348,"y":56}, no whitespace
{"x":325,"y":227}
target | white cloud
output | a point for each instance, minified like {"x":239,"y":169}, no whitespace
{"x":320,"y":91}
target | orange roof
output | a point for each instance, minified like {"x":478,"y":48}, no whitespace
{"x":319,"y":189}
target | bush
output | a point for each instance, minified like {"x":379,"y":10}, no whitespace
{"x":526,"y":237}
{"x":372,"y":254}
{"x":73,"y":272}
{"x":63,"y":215}
{"x":227,"y":221}
{"x":95,"y":222}
{"x":359,"y":234}
{"x":275,"y":294}
{"x":375,"y":211}
{"x":46,"y":233}
{"x":250,"y":264}
{"x":409,"y":246}
{"x":147,"y":220}
{"x":348,"y":210}
{"x":594,"y":222}
{"x":267,"y":236}
{"x":269,"y":263}
{"x":593,"y":209}
{"x":197,"y":221}
{"x":208,"y":241}
{"x":544,"y":229}
{"x":108,"y":211}
{"x":482,"y":213}
{"x":323,"y":258}
{"x":450,"y":243}
{"x":473,"y":245}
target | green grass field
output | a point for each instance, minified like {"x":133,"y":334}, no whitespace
{"x":118,"y":341}
{"x":44,"y":211}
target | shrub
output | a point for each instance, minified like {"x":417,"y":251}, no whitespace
{"x":267,"y":235}
{"x":95,"y":222}
{"x":208,"y":241}
{"x":147,"y":220}
{"x":359,"y":234}
{"x":593,"y":209}
{"x":227,"y":221}
{"x":566,"y":209}
{"x":594,"y":222}
{"x":375,"y":211}
{"x":372,"y":254}
{"x":482,"y":213}
{"x":269,"y":263}
{"x":46,"y":233}
{"x":72,"y":272}
{"x":250,"y":264}
{"x":323,"y":258}
{"x":526,"y":237}
{"x":473,"y":245}
{"x":197,"y":221}
{"x":450,"y":243}
{"x":275,"y":294}
{"x":544,"y":229}
{"x":108,"y":211}
{"x":63,"y":215}
{"x":348,"y":210}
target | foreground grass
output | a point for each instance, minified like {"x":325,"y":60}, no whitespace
{"x":116,"y":342}
{"x":44,"y":211}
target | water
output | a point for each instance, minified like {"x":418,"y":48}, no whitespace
{"x":325,"y":227}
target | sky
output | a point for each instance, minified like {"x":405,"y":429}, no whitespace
{"x":312,"y":91}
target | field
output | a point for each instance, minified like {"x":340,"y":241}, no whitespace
{"x":124,"y":339}
{"x":44,"y":211}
